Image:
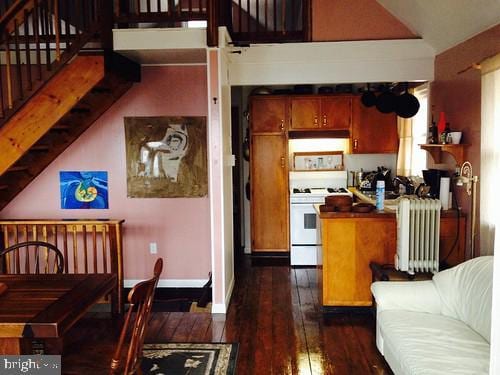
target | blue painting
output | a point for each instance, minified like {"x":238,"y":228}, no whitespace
{"x":84,"y":190}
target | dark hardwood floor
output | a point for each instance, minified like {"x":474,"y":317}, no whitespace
{"x":274,"y":316}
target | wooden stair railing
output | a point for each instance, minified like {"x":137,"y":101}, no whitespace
{"x":88,"y":246}
{"x":38,"y":38}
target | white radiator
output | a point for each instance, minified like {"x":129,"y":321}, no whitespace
{"x":418,"y":235}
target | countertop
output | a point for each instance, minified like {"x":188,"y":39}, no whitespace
{"x":390,"y":206}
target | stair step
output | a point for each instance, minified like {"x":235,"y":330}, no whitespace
{"x":20,"y":168}
{"x":80,"y":110}
{"x":39,"y":148}
{"x":101,"y":90}
{"x":59,"y":127}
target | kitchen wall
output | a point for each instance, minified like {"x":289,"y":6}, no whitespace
{"x":456,"y":90}
{"x":355,"y":20}
{"x":180,"y":226}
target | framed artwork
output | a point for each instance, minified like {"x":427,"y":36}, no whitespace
{"x":84,"y":189}
{"x":166,"y":157}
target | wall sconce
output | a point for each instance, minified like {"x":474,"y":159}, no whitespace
{"x":465,"y":177}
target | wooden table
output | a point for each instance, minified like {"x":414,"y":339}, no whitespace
{"x":45,"y":307}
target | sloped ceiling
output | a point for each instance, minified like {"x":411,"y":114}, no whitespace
{"x":445,"y":23}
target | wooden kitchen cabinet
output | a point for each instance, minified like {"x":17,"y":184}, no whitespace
{"x":349,"y":245}
{"x":321,"y":112}
{"x":373,"y":132}
{"x":269,"y":174}
{"x":269,"y":197}
{"x":352,"y":241}
{"x":269,"y":114}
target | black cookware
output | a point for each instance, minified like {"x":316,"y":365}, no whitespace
{"x":386,"y":102}
{"x":368,"y":98}
{"x":407,"y":105}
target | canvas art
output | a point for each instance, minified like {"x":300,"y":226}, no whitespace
{"x":166,"y":157}
{"x":84,"y":189}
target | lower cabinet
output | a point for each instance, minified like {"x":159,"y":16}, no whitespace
{"x":351,"y":243}
{"x":269,"y":193}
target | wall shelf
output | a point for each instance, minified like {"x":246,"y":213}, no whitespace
{"x":436,"y":150}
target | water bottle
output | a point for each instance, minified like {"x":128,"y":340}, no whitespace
{"x":380,"y":193}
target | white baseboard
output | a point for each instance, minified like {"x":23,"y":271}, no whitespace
{"x":221,"y":308}
{"x":170,"y":283}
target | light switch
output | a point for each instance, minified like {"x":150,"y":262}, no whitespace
{"x":153,"y":248}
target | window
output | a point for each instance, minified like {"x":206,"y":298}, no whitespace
{"x":412,"y":133}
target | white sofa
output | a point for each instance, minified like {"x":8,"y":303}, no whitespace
{"x":439,"y":326}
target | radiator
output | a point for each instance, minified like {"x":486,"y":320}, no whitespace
{"x":418,"y":235}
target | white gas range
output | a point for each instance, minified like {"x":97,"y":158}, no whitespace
{"x":307,"y":189}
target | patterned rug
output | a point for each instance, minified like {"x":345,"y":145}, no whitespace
{"x":189,"y":358}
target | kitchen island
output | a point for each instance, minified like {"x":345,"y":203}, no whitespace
{"x":350,"y":241}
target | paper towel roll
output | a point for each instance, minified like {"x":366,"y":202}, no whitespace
{"x":444,"y":192}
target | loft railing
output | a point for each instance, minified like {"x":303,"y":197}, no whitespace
{"x":38,"y":37}
{"x":270,"y":20}
{"x":168,"y":13}
{"x":246,"y":20}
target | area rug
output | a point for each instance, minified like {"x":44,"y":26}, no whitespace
{"x":189,"y":358}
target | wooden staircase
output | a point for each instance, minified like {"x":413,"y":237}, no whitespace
{"x":61,"y":105}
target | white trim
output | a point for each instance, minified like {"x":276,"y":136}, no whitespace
{"x":332,"y":62}
{"x":221,"y":308}
{"x":177,"y":64}
{"x":170,"y":283}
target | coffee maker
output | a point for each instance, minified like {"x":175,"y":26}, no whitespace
{"x":432,"y":178}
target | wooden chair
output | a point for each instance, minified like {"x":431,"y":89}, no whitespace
{"x":140,"y":299}
{"x":21,"y":263}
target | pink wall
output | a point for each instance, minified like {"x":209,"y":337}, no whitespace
{"x":456,"y":90}
{"x":335,"y":20}
{"x":180,"y":226}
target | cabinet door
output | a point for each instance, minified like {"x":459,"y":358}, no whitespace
{"x":372,"y":131}
{"x":268,"y":114}
{"x":305,"y":113}
{"x":336,"y":113}
{"x":269,"y":198}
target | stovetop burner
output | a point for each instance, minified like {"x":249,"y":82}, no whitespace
{"x":297,"y":191}
{"x":336,"y":190}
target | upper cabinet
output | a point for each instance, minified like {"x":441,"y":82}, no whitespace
{"x":269,"y":114}
{"x":321,"y":113}
{"x":372,"y":131}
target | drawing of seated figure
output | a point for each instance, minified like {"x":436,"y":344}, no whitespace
{"x":161,"y":159}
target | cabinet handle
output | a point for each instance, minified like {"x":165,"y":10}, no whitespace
{"x":282,"y":162}
{"x":355,"y":144}
{"x":315,"y":120}
{"x":325,"y":120}
{"x":282,"y":125}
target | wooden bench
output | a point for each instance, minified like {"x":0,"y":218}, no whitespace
{"x":88,"y":246}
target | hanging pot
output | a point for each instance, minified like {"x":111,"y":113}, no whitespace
{"x":368,"y":98}
{"x":386,"y":102}
{"x":407,"y":105}
{"x":246,"y":147}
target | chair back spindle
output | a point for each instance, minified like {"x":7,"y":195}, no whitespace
{"x":141,"y":300}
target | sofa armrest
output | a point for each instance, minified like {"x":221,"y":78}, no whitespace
{"x":419,"y":296}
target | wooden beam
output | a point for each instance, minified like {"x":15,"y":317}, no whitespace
{"x":48,"y":106}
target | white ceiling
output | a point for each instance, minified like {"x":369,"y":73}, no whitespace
{"x":445,"y":23}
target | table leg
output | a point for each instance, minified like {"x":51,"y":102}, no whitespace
{"x":14,"y":346}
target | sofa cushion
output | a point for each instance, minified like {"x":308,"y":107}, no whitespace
{"x":428,"y":344}
{"x":466,"y":291}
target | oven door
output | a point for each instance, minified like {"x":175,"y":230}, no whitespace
{"x":303,"y":224}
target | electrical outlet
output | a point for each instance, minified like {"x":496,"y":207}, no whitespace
{"x":153,"y":248}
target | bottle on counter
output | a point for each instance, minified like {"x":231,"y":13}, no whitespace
{"x":444,"y":134}
{"x":432,"y":138}
{"x":380,"y":195}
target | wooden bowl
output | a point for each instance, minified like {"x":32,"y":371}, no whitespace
{"x":338,"y":200}
{"x":344,"y":208}
{"x":363,"y":207}
{"x":326,"y":208}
